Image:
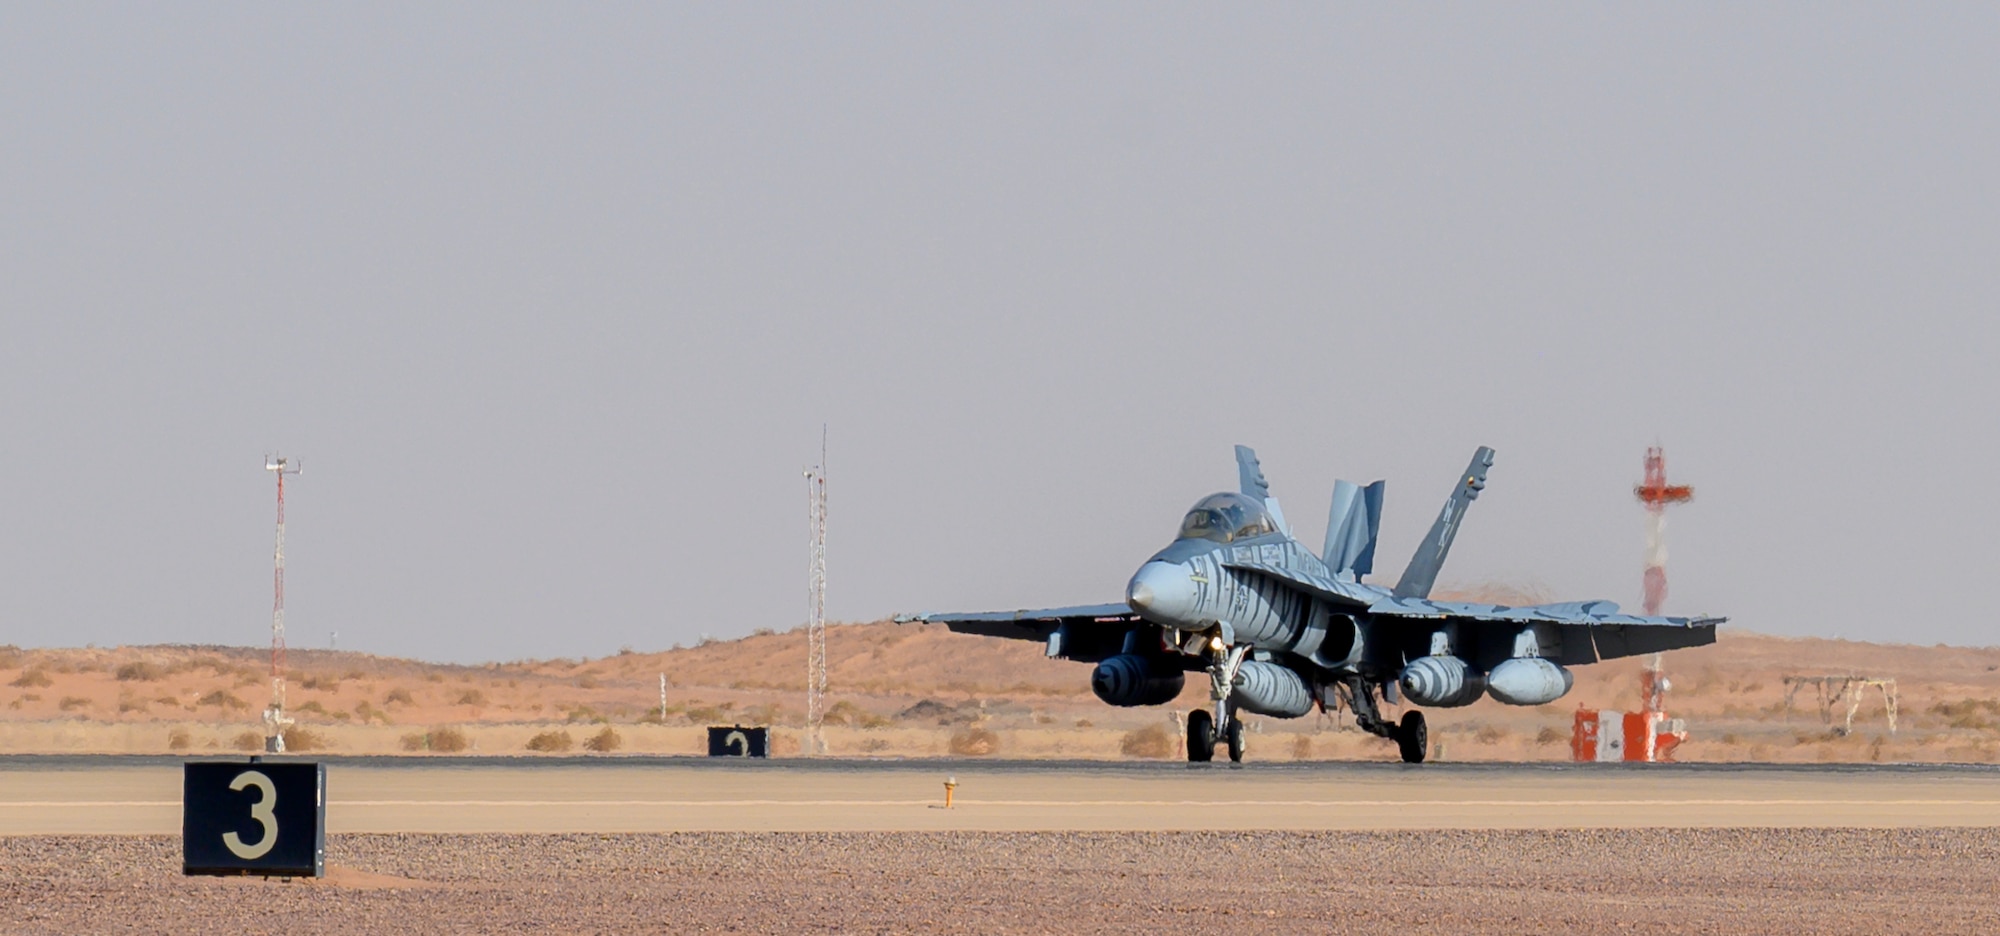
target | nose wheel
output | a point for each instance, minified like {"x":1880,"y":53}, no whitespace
{"x":1200,"y":737}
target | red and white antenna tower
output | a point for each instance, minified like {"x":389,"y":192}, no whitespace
{"x":275,"y":718}
{"x":816,"y":606}
{"x":1656,"y":494}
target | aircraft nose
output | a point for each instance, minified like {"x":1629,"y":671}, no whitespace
{"x":1162,"y":591}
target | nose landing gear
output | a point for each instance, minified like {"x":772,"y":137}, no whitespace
{"x":1202,"y":737}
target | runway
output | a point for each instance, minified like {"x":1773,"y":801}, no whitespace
{"x":141,"y":796}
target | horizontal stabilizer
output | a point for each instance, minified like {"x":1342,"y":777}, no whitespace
{"x":1351,"y":527}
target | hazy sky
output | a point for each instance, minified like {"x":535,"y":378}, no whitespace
{"x":552,"y":303}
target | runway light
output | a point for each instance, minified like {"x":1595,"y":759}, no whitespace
{"x":950,"y":784}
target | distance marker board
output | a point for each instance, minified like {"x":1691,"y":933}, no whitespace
{"x":253,"y":818}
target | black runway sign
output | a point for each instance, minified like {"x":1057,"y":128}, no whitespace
{"x":738,"y":741}
{"x":257,"y":818}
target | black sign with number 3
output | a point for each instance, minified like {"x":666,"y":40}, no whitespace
{"x":254,"y":818}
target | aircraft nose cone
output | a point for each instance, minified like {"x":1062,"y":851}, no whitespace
{"x":1162,"y":592}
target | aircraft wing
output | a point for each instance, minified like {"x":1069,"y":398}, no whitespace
{"x":1035,"y":624}
{"x":1591,"y":630}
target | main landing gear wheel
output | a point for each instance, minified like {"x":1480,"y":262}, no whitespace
{"x":1412,"y":738}
{"x":1235,"y":738}
{"x":1200,"y":736}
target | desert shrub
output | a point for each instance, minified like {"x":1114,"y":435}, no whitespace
{"x":975,"y":741}
{"x":178,"y":740}
{"x":604,"y":742}
{"x":248,"y":741}
{"x":414,"y":741}
{"x":472,"y":697}
{"x":354,"y":674}
{"x":167,"y":700}
{"x":398,"y":694}
{"x":551,"y":742}
{"x":223,"y":699}
{"x":1730,"y":738}
{"x":1489,"y":734}
{"x":368,"y":713}
{"x":140,"y":671}
{"x":1302,"y":747}
{"x":587,"y":681}
{"x":840,"y":712}
{"x":303,"y":739}
{"x":434,"y":677}
{"x":32,"y":679}
{"x":247,"y":679}
{"x":313,"y":706}
{"x":763,"y":632}
{"x":584,"y":713}
{"x":1085,"y":723}
{"x":1150,"y":741}
{"x":1550,"y":734}
{"x":447,"y":740}
{"x":10,"y":656}
{"x":72,"y":703}
{"x":322,"y":683}
{"x":132,"y":705}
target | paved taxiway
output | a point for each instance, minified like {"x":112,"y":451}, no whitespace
{"x":68,"y":795}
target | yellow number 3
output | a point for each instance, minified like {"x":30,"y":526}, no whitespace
{"x":260,"y":811}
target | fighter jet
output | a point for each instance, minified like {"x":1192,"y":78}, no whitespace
{"x":1280,"y":631}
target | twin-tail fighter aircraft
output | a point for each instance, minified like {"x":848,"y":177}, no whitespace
{"x":1280,"y":631}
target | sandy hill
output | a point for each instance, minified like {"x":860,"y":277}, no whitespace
{"x":919,"y":689}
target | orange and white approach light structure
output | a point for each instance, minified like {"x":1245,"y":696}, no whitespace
{"x":275,"y":718}
{"x":1656,"y":494}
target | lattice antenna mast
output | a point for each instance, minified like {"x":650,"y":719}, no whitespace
{"x":816,"y":606}
{"x":1656,"y":494}
{"x":275,"y":718}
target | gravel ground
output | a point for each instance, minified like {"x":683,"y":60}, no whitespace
{"x":1655,"y":880}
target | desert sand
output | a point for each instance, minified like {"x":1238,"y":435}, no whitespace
{"x":916,"y":690}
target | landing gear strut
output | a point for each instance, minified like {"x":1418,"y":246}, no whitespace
{"x":1200,"y":737}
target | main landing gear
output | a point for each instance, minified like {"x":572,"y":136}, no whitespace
{"x":1202,"y":737}
{"x":1413,"y":740}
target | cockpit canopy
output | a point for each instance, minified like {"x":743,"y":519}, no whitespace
{"x":1226,"y":517}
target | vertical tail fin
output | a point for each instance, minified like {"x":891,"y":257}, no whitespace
{"x":1351,"y":525}
{"x":1423,"y":570}
{"x":1250,"y":476}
